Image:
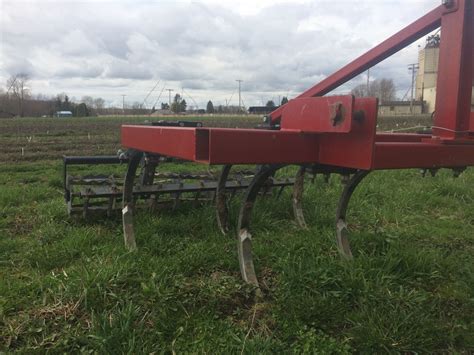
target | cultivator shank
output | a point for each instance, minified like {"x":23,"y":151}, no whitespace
{"x":324,"y":135}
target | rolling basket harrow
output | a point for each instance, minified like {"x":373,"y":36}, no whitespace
{"x":320,"y":134}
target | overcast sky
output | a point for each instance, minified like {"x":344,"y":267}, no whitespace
{"x":109,"y":48}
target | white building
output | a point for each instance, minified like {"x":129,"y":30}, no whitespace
{"x":428,"y":73}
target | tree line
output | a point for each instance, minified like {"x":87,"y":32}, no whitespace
{"x":17,"y":100}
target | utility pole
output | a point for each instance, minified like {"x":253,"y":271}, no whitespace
{"x":240,"y":98}
{"x":123,"y":104}
{"x":413,"y":67}
{"x":169,"y":92}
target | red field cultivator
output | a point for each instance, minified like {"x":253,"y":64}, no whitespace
{"x":322,"y":134}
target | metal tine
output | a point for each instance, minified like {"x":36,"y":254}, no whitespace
{"x":110,"y":206}
{"x":280,"y":191}
{"x":85,"y":208}
{"x":177,"y":196}
{"x":153,"y":202}
{"x":297,"y":197}
{"x":196,"y":198}
{"x":112,"y":195}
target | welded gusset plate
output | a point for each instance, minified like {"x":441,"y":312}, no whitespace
{"x":319,"y":114}
{"x":356,"y":148}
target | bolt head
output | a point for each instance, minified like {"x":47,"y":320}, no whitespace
{"x":447,"y":3}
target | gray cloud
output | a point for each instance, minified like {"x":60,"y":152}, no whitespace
{"x":107,"y":48}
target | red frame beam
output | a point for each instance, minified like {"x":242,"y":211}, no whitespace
{"x":224,"y":145}
{"x":405,"y":155}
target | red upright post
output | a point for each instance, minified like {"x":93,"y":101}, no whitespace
{"x":454,"y":83}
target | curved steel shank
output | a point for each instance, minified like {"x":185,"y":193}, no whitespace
{"x":128,"y":201}
{"x":244,"y":238}
{"x":297,"y":198}
{"x":222,"y":210}
{"x":342,"y":233}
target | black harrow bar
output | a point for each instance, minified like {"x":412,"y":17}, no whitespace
{"x":104,"y":193}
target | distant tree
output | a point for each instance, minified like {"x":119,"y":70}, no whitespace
{"x":138,"y":108}
{"x":58,"y":103}
{"x":66,"y":106}
{"x":284,"y":100}
{"x":182,"y":106}
{"x":88,"y":100}
{"x":81,"y":110}
{"x":179,"y":104}
{"x":18,"y":87}
{"x":270,"y":104}
{"x":360,"y":91}
{"x":383,"y":89}
{"x":165,"y":106}
{"x":387,"y":91}
{"x":210,"y":107}
{"x":175,"y":104}
{"x":99,"y":105}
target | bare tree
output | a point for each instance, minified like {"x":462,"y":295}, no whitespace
{"x":387,"y":90}
{"x":99,"y":104}
{"x":383,"y":89}
{"x":18,"y":87}
{"x":360,"y":91}
{"x":88,"y":100}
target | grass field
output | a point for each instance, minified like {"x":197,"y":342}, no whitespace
{"x":68,"y":285}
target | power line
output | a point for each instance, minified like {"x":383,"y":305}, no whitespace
{"x":230,"y":99}
{"x":149,"y":93}
{"x":161,"y":92}
{"x":406,"y":93}
{"x":197,"y":106}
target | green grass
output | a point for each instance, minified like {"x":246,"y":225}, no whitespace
{"x":70,"y":286}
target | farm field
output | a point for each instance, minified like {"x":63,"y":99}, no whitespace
{"x":68,"y":285}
